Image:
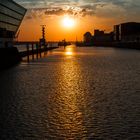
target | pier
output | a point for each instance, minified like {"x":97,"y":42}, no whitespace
{"x":33,"y":48}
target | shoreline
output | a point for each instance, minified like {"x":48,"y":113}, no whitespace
{"x":123,"y":45}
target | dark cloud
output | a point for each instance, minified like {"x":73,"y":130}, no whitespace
{"x":102,"y":8}
{"x":54,"y":12}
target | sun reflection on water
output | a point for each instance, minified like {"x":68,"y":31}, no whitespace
{"x":69,"y":51}
{"x":66,"y":109}
{"x":70,"y":114}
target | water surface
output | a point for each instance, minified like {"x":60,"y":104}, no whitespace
{"x":76,"y":93}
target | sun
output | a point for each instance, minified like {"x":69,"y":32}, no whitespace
{"x":68,"y":22}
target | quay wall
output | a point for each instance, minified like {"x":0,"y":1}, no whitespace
{"x":9,"y":57}
{"x":125,"y":45}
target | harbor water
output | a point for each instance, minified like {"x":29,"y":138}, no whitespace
{"x":72,"y":94}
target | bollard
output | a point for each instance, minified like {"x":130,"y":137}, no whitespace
{"x":37,"y":50}
{"x":28,"y":59}
{"x":32,"y":51}
{"x":40,"y":50}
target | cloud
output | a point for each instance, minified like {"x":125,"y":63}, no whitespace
{"x":81,"y":8}
{"x":56,"y":11}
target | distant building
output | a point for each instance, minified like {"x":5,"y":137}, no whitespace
{"x":116,"y":33}
{"x":88,"y":37}
{"x":11,"y":15}
{"x":98,"y":33}
{"x":127,"y":32}
{"x":101,"y":36}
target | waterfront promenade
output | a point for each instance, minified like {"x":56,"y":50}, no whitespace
{"x":72,"y":93}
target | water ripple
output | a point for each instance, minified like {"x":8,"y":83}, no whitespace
{"x":91,"y":94}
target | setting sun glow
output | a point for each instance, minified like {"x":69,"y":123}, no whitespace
{"x":69,"y":53}
{"x":68,"y":22}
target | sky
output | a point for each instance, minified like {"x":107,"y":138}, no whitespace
{"x":87,"y":15}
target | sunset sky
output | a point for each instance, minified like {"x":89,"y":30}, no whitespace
{"x":81,"y":15}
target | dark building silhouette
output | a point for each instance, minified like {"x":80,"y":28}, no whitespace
{"x":101,"y":36}
{"x":116,"y":33}
{"x":88,"y":37}
{"x":127,"y":32}
{"x":98,"y":32}
{"x":11,"y":15}
{"x":125,"y":35}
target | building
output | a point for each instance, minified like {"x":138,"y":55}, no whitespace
{"x":127,"y":32}
{"x":11,"y":15}
{"x":98,"y":32}
{"x":101,"y":36}
{"x":88,"y":37}
{"x":116,"y":33}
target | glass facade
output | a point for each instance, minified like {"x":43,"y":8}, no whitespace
{"x":11,"y":15}
{"x":127,"y":32}
{"x":10,"y":12}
